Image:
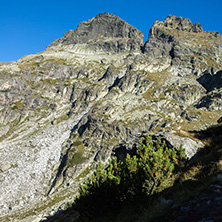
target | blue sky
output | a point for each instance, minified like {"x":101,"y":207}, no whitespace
{"x":27,"y":27}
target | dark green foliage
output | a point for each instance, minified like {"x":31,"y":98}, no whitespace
{"x":122,"y":181}
{"x":156,"y":164}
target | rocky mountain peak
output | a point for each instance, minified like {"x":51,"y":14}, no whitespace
{"x":182,"y":42}
{"x":105,"y":32}
{"x":183,"y":24}
{"x":109,"y":25}
{"x":179,"y":23}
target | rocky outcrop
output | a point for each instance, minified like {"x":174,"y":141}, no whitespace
{"x":94,"y":93}
{"x":212,"y":101}
{"x":211,"y":81}
{"x":182,"y":24}
{"x":103,"y":33}
{"x":190,"y":146}
{"x":191,"y":50}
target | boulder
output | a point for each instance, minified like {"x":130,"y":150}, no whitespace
{"x":190,"y":146}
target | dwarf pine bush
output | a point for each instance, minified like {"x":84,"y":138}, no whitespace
{"x":140,"y":174}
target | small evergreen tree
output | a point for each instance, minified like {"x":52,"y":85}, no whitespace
{"x":157,"y":163}
{"x":123,"y":180}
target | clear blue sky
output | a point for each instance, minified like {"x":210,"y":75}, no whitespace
{"x":27,"y":27}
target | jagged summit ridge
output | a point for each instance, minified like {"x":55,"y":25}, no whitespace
{"x":181,"y":42}
{"x":179,"y":23}
{"x":105,"y":32}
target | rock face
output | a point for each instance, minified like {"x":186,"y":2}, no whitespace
{"x":161,"y":38}
{"x":179,"y":23}
{"x":105,"y":32}
{"x":189,"y":48}
{"x":91,"y":95}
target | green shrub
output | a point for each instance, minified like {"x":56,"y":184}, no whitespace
{"x":157,"y":163}
{"x":138,"y":175}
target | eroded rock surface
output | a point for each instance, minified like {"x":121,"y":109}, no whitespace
{"x":190,"y":49}
{"x":94,"y":90}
